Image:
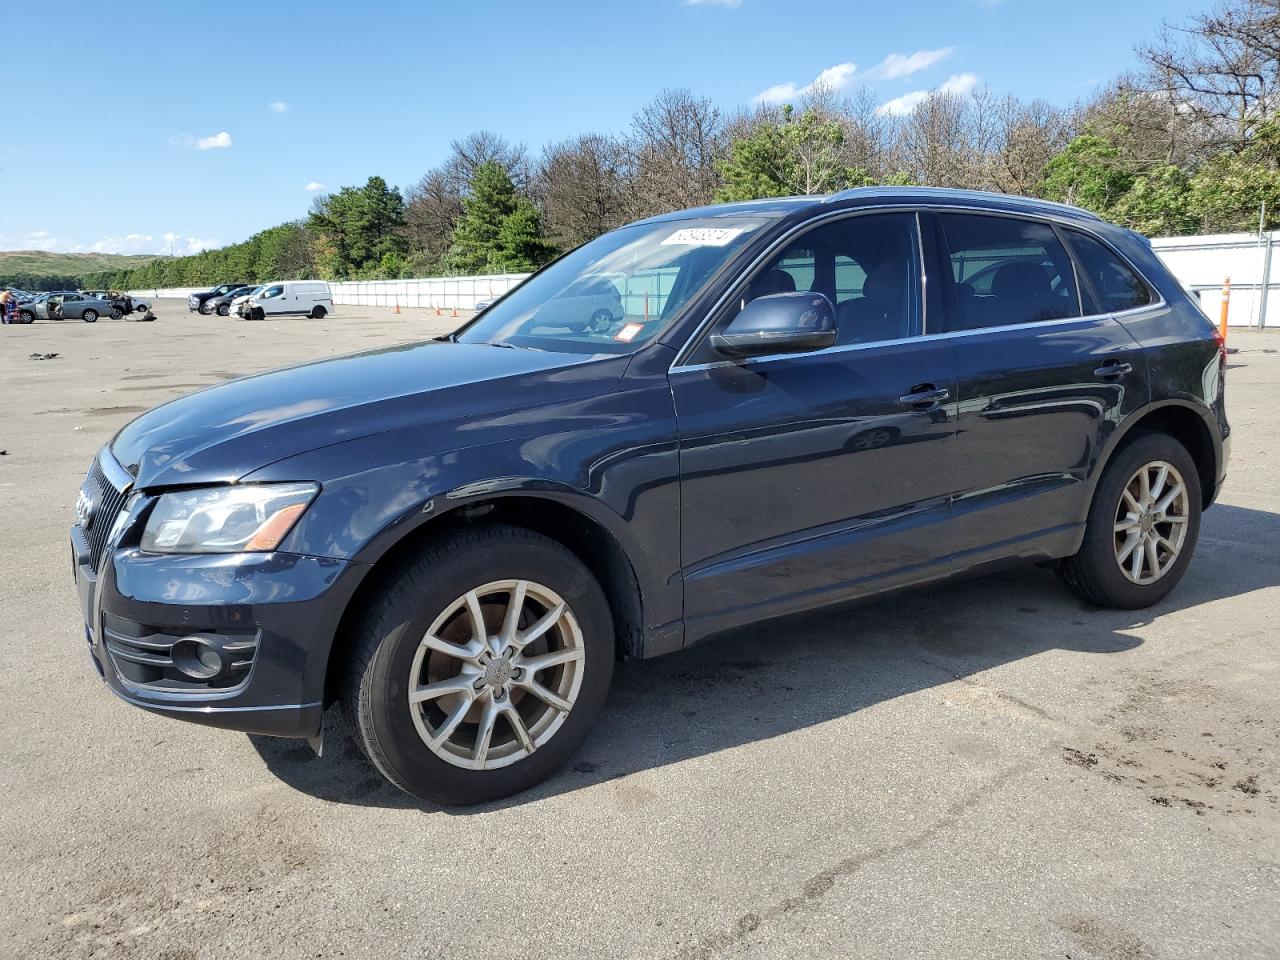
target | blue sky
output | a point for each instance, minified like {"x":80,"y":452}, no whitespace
{"x":200,"y":140}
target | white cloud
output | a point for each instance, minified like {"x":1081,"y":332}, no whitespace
{"x":901,"y":106}
{"x":833,"y":78}
{"x":183,"y":245}
{"x":218,"y":141}
{"x":129,"y":243}
{"x":959,"y":85}
{"x":897,"y":65}
{"x":278,"y":106}
{"x":713,"y":3}
{"x":313,"y":186}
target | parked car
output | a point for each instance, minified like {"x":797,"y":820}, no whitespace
{"x":221,"y":305}
{"x":591,"y":302}
{"x":65,"y":305}
{"x":308,"y":298}
{"x":122,"y":303}
{"x":456,"y":539}
{"x":198,"y":302}
{"x":236,"y":306}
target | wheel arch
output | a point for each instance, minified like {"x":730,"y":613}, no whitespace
{"x":578,"y":531}
{"x":1187,"y":423}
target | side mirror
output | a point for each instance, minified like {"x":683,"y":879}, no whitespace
{"x":779,"y":323}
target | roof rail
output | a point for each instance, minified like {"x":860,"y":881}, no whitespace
{"x":947,"y":193}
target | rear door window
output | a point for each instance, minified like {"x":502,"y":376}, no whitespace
{"x":1006,"y":271}
{"x":1112,"y":285}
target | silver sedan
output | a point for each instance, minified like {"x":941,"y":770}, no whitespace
{"x":65,"y":306}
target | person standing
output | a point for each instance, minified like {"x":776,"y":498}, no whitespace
{"x":7,"y":304}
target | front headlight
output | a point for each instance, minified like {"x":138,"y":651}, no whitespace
{"x":236,"y":519}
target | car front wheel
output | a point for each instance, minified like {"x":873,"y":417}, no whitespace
{"x":1142,"y":526}
{"x":205,"y":309}
{"x":224,"y":310}
{"x":481,"y":667}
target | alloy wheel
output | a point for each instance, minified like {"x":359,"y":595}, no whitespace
{"x":496,"y":674}
{"x":1151,"y":522}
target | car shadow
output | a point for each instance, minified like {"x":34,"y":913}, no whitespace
{"x":745,"y":686}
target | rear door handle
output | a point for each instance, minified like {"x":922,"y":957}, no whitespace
{"x":925,"y":398}
{"x":1113,"y":368}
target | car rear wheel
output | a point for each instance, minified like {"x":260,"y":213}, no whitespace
{"x":1142,"y":526}
{"x":481,"y":667}
{"x":89,"y":316}
{"x":116,"y":313}
{"x":318,"y":313}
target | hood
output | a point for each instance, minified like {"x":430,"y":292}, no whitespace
{"x":222,"y":433}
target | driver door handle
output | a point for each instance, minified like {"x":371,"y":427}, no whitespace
{"x":925,"y":397}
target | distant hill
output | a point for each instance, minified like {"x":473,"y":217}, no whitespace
{"x":41,"y":262}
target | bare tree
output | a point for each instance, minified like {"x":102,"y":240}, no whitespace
{"x":581,"y":186}
{"x":484,"y":146}
{"x":1223,"y":68}
{"x":675,"y":142}
{"x":934,"y":143}
{"x":1027,"y":137}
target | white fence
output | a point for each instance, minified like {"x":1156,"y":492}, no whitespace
{"x":1200,"y":263}
{"x":447,"y":293}
{"x":1203,"y":263}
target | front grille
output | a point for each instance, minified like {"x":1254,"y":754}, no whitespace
{"x":143,"y":654}
{"x":106,"y":501}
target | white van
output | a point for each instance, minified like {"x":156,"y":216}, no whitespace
{"x":310,"y":298}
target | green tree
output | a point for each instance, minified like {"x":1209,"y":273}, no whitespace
{"x":1158,"y":203}
{"x":792,"y":155}
{"x":1087,"y":173}
{"x":358,"y":226}
{"x":1228,"y":192}
{"x":500,"y":231}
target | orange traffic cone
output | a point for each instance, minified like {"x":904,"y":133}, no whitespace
{"x":455,"y":313}
{"x":397,"y":309}
{"x":437,"y":309}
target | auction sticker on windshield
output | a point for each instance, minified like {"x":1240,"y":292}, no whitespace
{"x":703,"y":236}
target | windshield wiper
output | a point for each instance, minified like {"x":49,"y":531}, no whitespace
{"x":446,"y":338}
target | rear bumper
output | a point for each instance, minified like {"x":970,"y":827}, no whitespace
{"x":290,"y":605}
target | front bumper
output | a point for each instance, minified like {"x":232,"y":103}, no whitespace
{"x":289,"y":605}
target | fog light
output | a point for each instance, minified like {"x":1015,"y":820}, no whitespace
{"x":197,"y":658}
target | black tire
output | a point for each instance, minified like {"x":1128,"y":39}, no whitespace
{"x":224,"y":310}
{"x":377,"y":677}
{"x":89,"y":316}
{"x":1093,"y":572}
{"x":205,"y":309}
{"x":116,"y":313}
{"x":25,"y":316}
{"x":318,"y":313}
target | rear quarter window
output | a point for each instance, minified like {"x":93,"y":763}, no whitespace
{"x":1112,"y":286}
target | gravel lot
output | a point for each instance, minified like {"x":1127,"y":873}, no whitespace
{"x":985,"y":769}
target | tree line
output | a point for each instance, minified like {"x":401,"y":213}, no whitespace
{"x":1186,"y":143}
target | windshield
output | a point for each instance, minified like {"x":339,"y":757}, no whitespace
{"x":616,"y":292}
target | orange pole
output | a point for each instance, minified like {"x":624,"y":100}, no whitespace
{"x":1226,"y":304}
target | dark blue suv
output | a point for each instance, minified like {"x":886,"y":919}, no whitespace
{"x":790,"y":403}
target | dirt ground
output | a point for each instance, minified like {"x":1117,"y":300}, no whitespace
{"x":984,"y":769}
